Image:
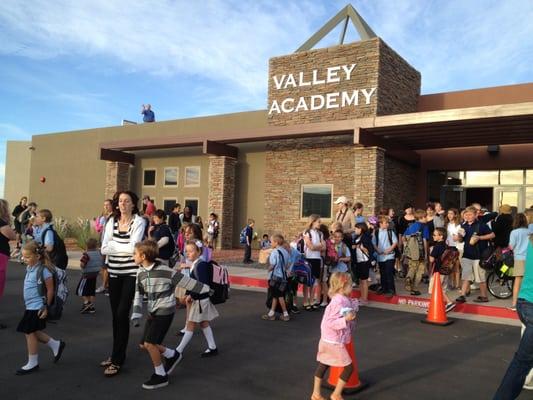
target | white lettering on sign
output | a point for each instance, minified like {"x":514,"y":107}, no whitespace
{"x":315,"y":102}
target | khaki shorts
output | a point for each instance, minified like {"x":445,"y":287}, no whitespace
{"x":443,"y":281}
{"x":519,"y":268}
{"x":472,"y":271}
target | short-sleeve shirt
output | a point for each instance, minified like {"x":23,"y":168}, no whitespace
{"x":474,"y":252}
{"x":4,"y":241}
{"x":403,"y":224}
{"x":384,"y":243}
{"x":526,"y":289}
{"x":342,"y":251}
{"x":315,"y":236}
{"x":48,"y":237}
{"x":279,"y":262}
{"x":161,"y":231}
{"x":436,"y":252}
{"x":32,"y":300}
{"x":417,"y":227}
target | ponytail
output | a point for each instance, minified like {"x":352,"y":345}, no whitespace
{"x":44,"y":258}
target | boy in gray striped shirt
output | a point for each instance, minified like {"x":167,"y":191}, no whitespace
{"x":158,"y":282}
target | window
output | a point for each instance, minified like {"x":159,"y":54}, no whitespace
{"x":168,"y":204}
{"x":192,"y":176}
{"x":515,"y":177}
{"x":316,"y":199}
{"x":192,"y":204}
{"x":481,"y":178}
{"x":149,"y":177}
{"x":529,"y":197}
{"x":170,"y":177}
{"x":529,"y":176}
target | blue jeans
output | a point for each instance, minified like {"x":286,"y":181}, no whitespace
{"x":386,"y":270}
{"x":522,"y":362}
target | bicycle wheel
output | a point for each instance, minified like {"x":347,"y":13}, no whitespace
{"x":501,"y":288}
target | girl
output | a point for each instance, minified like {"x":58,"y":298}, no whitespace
{"x":212,"y":230}
{"x":518,"y":243}
{"x":453,"y":225}
{"x":6,"y":234}
{"x":363,"y":251}
{"x":335,"y":332}
{"x":124,"y":229}
{"x":314,"y":245}
{"x":202,"y":311}
{"x":39,"y":268}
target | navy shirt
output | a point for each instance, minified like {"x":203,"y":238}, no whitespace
{"x":161,"y":231}
{"x":474,"y":252}
{"x":148,"y":116}
{"x":436,"y":252}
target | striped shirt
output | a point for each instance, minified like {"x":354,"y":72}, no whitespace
{"x":158,"y":282}
{"x":119,"y":246}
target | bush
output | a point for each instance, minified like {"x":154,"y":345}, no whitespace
{"x":62,"y":227}
{"x":82,"y":231}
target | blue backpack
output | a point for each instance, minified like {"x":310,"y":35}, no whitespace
{"x":242,"y":236}
{"x":301,"y":270}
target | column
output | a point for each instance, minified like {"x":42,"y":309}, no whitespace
{"x":117,"y":178}
{"x":369,"y":177}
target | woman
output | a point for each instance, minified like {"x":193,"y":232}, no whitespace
{"x":22,"y":205}
{"x":187,"y":217}
{"x":314,"y":245}
{"x":161,"y":234}
{"x":502,"y":226}
{"x":6,"y":234}
{"x":124,"y":229}
{"x":453,"y":226}
{"x":430,"y":218}
{"x":518,"y":243}
{"x":345,"y":216}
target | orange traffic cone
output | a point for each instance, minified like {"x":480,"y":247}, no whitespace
{"x":437,"y":313}
{"x":354,"y":384}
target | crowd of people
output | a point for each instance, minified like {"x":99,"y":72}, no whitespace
{"x":142,"y":257}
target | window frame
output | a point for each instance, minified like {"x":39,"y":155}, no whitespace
{"x":185,"y":176}
{"x":329,"y":185}
{"x":197,"y":199}
{"x":175,"y":199}
{"x":177,"y":177}
{"x":155,"y":177}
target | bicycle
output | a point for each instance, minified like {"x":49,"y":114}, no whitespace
{"x":500,"y":284}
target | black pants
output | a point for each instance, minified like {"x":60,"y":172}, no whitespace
{"x":247,"y":253}
{"x":121,"y":293}
{"x":386,"y":270}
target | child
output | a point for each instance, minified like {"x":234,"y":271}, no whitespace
{"x":248,"y":245}
{"x":158,"y":281}
{"x":416,"y":233}
{"x":314,"y":245}
{"x":277,"y":280}
{"x":363,"y":254}
{"x":90,"y":263}
{"x":335,"y":332}
{"x":265,"y":243}
{"x":385,"y":242}
{"x":33,"y":322}
{"x":439,"y":246}
{"x":212,"y":230}
{"x":342,"y":251}
{"x":202,"y":311}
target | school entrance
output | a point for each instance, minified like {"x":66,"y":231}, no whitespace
{"x":491,"y":189}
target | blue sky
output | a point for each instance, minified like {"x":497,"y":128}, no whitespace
{"x":67,"y":65}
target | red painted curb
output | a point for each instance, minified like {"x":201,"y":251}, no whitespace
{"x":420,"y":302}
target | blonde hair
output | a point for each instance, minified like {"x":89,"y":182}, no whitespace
{"x":419,"y":214}
{"x":35,"y":248}
{"x":312,"y":219}
{"x":340,"y":282}
{"x":278,"y":239}
{"x":4,"y":211}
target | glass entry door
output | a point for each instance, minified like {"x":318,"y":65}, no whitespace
{"x":514,"y":196}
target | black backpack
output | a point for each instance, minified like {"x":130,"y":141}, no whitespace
{"x":58,"y":255}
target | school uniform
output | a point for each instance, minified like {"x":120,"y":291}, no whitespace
{"x":33,"y":302}
{"x":93,"y":263}
{"x":279,"y":260}
{"x":313,"y":256}
{"x":201,"y":308}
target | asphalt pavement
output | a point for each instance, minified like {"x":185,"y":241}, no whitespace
{"x":398,"y":356}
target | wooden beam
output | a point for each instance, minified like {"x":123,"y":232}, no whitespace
{"x":220,"y":149}
{"x":392,"y":148}
{"x":117,"y":156}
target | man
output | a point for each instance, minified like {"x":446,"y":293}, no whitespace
{"x":148,"y":114}
{"x":148,"y":206}
{"x":174,"y":221}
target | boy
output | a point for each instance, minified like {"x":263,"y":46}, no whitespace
{"x":158,"y":281}
{"x":248,"y":245}
{"x":277,"y":280}
{"x":416,"y":235}
{"x":90,"y":263}
{"x":265,"y":243}
{"x":385,"y":242}
{"x":477,"y":233}
{"x":439,"y":235}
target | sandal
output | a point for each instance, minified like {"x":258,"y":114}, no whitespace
{"x":106,"y":363}
{"x":319,"y":397}
{"x":112,"y":370}
{"x":267,"y":317}
{"x":308,"y":307}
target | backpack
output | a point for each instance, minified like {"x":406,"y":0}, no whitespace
{"x":58,"y":255}
{"x":414,"y":248}
{"x":55,"y":310}
{"x":489,"y":259}
{"x":448,"y":260}
{"x":301,"y":270}
{"x":218,"y":282}
{"x":242,"y":236}
{"x":332,"y":256}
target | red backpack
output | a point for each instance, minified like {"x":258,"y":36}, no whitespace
{"x":448,"y":260}
{"x":332,"y":256}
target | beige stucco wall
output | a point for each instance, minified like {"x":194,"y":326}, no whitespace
{"x":250,"y":192}
{"x":75,"y":175}
{"x":17,"y":173}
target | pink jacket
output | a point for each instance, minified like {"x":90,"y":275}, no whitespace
{"x":334,"y":327}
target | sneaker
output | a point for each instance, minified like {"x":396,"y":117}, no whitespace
{"x":83,"y":306}
{"x":460,"y":299}
{"x":156,"y":382}
{"x":106,"y":293}
{"x":209,"y":353}
{"x":92,"y":310}
{"x":450,"y":307}
{"x":86,"y":308}
{"x":415,"y":293}
{"x":323,"y":304}
{"x":295,"y":310}
{"x":480,"y":299}
{"x":170,"y":363}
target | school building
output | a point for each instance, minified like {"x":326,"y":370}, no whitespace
{"x":345,"y":120}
